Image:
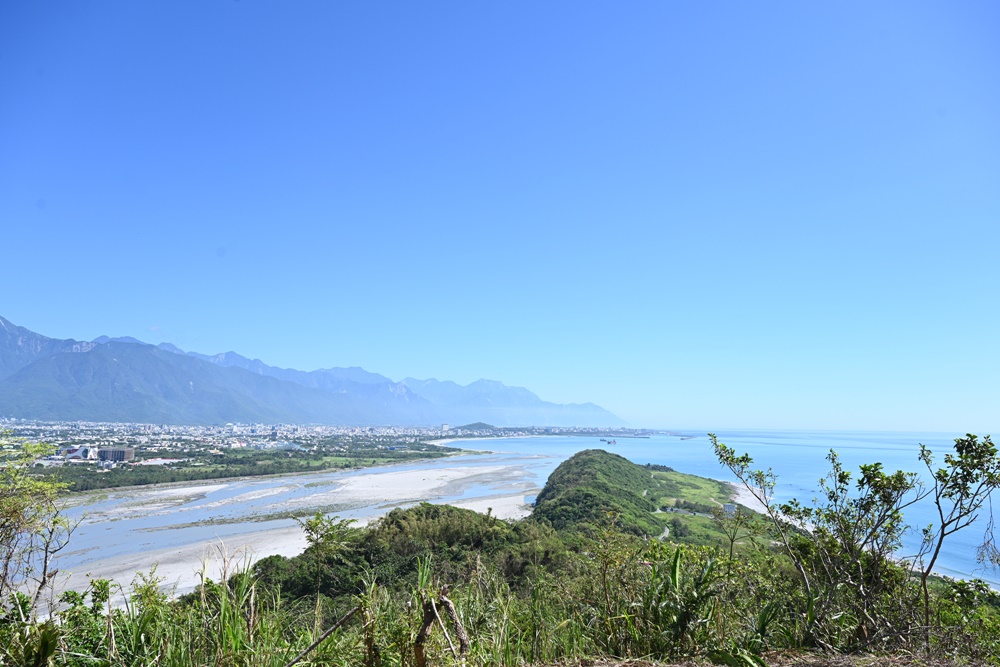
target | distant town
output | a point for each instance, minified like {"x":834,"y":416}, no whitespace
{"x":128,"y":453}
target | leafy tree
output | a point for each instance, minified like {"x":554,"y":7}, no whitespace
{"x":959,"y":491}
{"x":328,"y":539}
{"x":761,"y":485}
{"x":736,"y":526}
{"x":678,"y":528}
{"x":843,"y":547}
{"x":32,"y":530}
{"x":854,"y":535}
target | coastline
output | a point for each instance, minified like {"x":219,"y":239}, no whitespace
{"x":742,"y":496}
{"x":364,"y":495}
{"x":179,"y":565}
{"x":368,"y":496}
{"x":443,"y":442}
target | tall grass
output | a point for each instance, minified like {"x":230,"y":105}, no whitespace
{"x":623,"y":598}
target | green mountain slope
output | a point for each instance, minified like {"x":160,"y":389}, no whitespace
{"x":593,"y":486}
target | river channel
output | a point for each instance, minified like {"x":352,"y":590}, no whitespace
{"x":129,"y":523}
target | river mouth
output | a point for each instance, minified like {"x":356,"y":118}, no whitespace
{"x":123,"y":531}
{"x":137,"y":528}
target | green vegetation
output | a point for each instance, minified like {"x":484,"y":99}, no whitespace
{"x":31,"y":529}
{"x":594,"y":484}
{"x":197,"y":464}
{"x":585,"y":577}
{"x":852,"y":594}
{"x":595,"y":487}
{"x":706,"y":494}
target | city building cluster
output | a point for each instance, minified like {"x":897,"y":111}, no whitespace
{"x":107,"y":444}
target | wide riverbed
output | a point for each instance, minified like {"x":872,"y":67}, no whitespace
{"x":183,"y":528}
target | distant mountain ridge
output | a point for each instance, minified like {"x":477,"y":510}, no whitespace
{"x":124,"y":379}
{"x":491,"y":401}
{"x":20,"y":347}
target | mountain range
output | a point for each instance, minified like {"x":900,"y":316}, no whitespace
{"x":127,"y":380}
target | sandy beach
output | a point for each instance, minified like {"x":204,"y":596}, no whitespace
{"x":742,"y":496}
{"x":180,"y":568}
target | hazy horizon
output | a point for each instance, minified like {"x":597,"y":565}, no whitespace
{"x":743,"y":216}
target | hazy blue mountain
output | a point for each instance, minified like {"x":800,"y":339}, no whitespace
{"x":376,"y":388}
{"x":333,"y":379}
{"x":100,"y":340}
{"x":496,"y":403}
{"x":20,"y":347}
{"x":141,"y":383}
{"x":356,"y":374}
{"x":439,"y":392}
{"x":124,"y":379}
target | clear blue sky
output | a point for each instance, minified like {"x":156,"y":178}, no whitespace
{"x":732,"y":214}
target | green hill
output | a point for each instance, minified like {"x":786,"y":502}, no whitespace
{"x":478,"y":426}
{"x":592,"y":486}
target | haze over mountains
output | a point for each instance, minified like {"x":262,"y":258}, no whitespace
{"x":126,"y":380}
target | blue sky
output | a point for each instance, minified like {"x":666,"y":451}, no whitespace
{"x":772,"y":215}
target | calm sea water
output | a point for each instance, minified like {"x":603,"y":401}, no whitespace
{"x":115,"y":524}
{"x":798,"y":458}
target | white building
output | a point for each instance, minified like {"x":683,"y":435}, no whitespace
{"x":80,"y":454}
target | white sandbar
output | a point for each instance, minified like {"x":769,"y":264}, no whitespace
{"x":180,"y":567}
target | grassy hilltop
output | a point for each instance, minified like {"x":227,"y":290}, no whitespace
{"x":595,"y":488}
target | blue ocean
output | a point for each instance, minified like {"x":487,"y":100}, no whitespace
{"x":798,"y":459}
